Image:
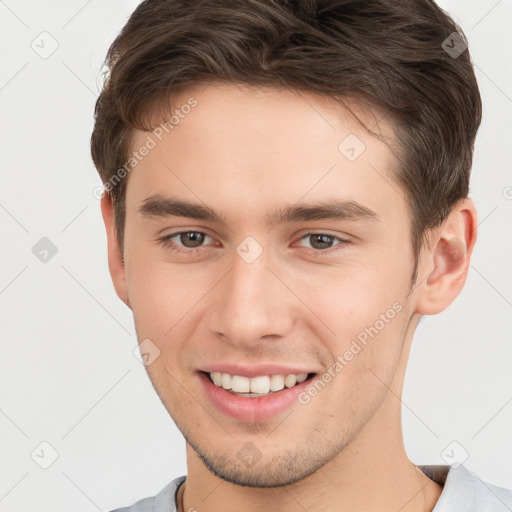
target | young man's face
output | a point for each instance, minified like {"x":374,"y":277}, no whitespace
{"x":262,"y":286}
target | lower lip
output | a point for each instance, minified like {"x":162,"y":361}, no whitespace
{"x":251,"y":410}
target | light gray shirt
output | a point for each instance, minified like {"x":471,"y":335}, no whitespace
{"x":462,"y":492}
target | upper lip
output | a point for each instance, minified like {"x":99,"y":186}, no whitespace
{"x":256,"y":370}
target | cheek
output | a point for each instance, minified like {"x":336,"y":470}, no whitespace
{"x":363,"y":316}
{"x":352,"y":298}
{"x":170,"y":303}
{"x":160,"y":294}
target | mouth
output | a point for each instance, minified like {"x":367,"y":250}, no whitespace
{"x":254,"y":399}
{"x":261,"y":385}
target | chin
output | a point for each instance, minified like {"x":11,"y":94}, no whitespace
{"x":285,"y":468}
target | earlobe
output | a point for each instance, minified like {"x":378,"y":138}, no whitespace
{"x":115,"y":257}
{"x":445,"y":263}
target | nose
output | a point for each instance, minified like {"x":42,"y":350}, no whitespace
{"x":251,"y":304}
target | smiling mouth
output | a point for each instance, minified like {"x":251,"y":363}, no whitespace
{"x":254,"y":387}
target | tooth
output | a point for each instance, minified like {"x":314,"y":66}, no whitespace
{"x":260,"y":385}
{"x":217,"y":378}
{"x":240,"y":384}
{"x":276,"y":382}
{"x":290,"y":381}
{"x":226,"y":381}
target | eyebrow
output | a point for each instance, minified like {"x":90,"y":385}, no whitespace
{"x":162,"y":206}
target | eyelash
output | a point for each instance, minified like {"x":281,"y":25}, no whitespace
{"x":167,"y":242}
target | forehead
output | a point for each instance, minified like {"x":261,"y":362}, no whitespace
{"x":251,"y":148}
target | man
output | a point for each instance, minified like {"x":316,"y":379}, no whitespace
{"x":285,"y":196}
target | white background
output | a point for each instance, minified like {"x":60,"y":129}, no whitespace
{"x":68,"y":375}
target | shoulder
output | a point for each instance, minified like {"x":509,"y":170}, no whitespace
{"x":164,"y":501}
{"x":464,"y":491}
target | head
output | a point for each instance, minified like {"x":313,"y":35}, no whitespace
{"x":285,"y":183}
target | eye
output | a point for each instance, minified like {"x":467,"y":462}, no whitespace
{"x":195,"y":241}
{"x":320,"y":241}
{"x":186,"y":240}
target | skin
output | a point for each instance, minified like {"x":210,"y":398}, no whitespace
{"x":245,"y":152}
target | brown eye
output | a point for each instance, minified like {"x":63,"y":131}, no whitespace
{"x":321,"y":241}
{"x":192,"y":239}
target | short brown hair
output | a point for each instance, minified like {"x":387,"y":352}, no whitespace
{"x":387,"y":53}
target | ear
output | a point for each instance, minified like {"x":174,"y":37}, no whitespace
{"x":444,"y":263}
{"x":115,"y":257}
